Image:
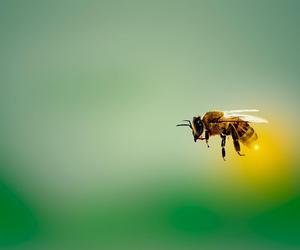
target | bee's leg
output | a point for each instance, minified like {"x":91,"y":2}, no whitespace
{"x":236,"y":141}
{"x":223,"y":146}
{"x":206,"y":137}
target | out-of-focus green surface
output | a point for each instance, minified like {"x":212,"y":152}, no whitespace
{"x":90,"y":95}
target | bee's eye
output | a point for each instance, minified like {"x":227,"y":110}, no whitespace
{"x":199,"y":126}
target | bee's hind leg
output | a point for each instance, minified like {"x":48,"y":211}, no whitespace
{"x":223,"y":146}
{"x":206,"y":138}
{"x":236,"y":141}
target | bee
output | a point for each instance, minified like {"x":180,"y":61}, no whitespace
{"x":232,"y":123}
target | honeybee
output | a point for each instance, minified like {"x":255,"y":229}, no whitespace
{"x":232,"y":123}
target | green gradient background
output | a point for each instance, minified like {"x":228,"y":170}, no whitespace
{"x":90,"y":94}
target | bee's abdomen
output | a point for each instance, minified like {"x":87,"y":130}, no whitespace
{"x":246,"y":133}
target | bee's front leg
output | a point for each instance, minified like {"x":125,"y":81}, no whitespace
{"x":206,"y":137}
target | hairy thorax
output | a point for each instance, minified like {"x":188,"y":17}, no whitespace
{"x":212,"y":125}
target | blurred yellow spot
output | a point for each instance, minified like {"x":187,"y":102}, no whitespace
{"x":265,"y":173}
{"x":266,"y":165}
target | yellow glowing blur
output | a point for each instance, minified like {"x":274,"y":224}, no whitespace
{"x":266,"y":171}
{"x":267,"y":163}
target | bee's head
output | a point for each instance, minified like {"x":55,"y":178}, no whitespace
{"x":196,"y":126}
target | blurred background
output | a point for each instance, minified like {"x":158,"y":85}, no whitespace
{"x":91,"y":92}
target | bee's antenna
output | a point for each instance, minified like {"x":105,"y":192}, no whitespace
{"x":188,"y":125}
{"x":188,"y":122}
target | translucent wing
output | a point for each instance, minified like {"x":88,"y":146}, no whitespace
{"x":250,"y":118}
{"x":238,"y":114}
{"x":239,"y":111}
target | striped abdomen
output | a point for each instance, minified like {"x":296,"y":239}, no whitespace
{"x":245,"y":132}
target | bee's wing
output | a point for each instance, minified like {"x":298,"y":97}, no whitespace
{"x":242,"y":117}
{"x":238,"y":112}
{"x":231,"y":114}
